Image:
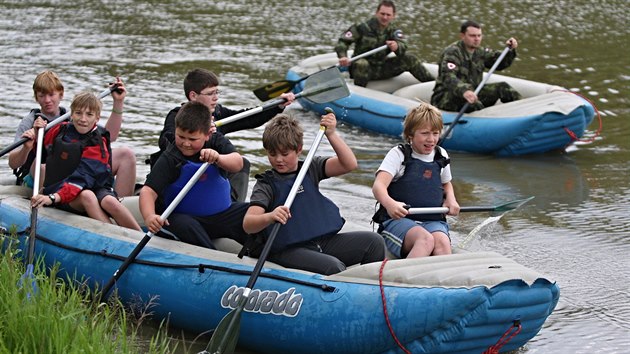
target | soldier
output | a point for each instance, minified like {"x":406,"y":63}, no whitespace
{"x":461,"y":68}
{"x":371,"y":34}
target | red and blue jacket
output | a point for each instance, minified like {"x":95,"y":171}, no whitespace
{"x":76,"y":161}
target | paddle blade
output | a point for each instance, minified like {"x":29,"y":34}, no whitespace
{"x":512,"y":205}
{"x":497,"y":209}
{"x":28,"y":278}
{"x":325,"y":86}
{"x":225,"y":336}
{"x":274,"y":89}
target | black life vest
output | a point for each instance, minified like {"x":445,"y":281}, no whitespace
{"x":66,"y":156}
{"x":22,"y":171}
{"x":313,"y":215}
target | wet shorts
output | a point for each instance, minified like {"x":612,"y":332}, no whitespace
{"x":394,"y":231}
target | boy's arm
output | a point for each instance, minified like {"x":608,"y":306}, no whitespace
{"x":18,"y":156}
{"x":115,"y":118}
{"x":344,"y":161}
{"x":147,"y":208}
{"x":449,"y":199}
{"x":256,"y":219}
{"x":232,"y":162}
{"x":395,"y":209}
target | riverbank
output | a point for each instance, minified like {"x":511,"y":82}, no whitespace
{"x":43,"y":314}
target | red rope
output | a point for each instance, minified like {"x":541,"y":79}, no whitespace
{"x":504,"y":338}
{"x":389,"y":325}
{"x":599,"y":118}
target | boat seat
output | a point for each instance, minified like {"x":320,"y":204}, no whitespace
{"x":21,"y":191}
{"x":419,"y":92}
{"x":393,"y":84}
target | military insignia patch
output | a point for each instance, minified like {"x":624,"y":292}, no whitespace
{"x":451,"y":66}
{"x":348,"y":34}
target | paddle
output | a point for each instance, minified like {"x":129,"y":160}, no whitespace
{"x":277,"y":88}
{"x":502,"y":208}
{"x":225,"y":336}
{"x":55,"y":122}
{"x":118,"y":273}
{"x":33,"y":232}
{"x":323,"y":86}
{"x":479,"y":87}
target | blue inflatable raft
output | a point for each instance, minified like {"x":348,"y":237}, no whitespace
{"x":548,"y":118}
{"x":461,"y":303}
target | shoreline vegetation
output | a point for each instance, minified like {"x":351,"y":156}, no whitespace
{"x":45,"y":314}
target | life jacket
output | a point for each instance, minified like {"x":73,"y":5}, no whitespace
{"x":313,"y":215}
{"x":419,"y":186}
{"x":23,"y":171}
{"x":65,"y":155}
{"x":209,"y":196}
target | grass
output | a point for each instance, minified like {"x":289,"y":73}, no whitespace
{"x":45,"y":314}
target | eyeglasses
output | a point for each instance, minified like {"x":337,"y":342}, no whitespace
{"x":211,"y":93}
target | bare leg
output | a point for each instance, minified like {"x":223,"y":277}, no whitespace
{"x":418,"y":243}
{"x":442,"y":244}
{"x":87,"y":202}
{"x":119,"y":212}
{"x":124,"y":169}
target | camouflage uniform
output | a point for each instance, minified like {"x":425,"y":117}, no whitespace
{"x":460,"y":71}
{"x":367,"y":36}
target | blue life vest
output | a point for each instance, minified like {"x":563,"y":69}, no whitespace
{"x":420,"y":184}
{"x":209,"y":196}
{"x":312,"y":214}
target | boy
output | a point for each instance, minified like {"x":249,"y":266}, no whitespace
{"x":416,"y":174}
{"x":309,"y":237}
{"x":79,"y":177}
{"x":202,"y":86}
{"x":48,"y":91}
{"x":206,"y":212}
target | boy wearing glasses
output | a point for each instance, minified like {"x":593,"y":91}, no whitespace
{"x":201,"y":85}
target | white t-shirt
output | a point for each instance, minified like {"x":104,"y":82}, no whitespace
{"x":393,"y":163}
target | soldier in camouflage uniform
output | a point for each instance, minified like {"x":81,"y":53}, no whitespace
{"x":372,"y":34}
{"x":461,"y":68}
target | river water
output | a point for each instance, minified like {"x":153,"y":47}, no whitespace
{"x":576,"y":230}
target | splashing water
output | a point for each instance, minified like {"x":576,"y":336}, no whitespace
{"x":471,"y":235}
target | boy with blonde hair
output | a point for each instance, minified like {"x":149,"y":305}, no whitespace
{"x":416,"y":174}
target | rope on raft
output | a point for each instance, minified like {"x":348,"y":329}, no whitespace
{"x":504,"y":338}
{"x":389,"y":325}
{"x":599,"y":119}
